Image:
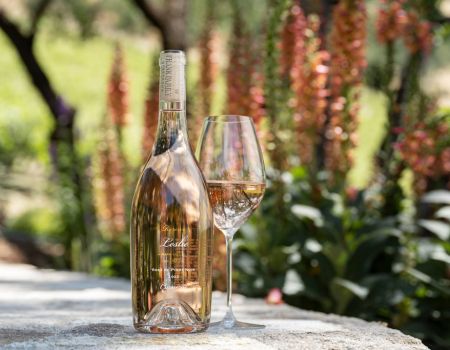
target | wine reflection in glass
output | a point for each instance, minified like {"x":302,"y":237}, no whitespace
{"x":230,"y":158}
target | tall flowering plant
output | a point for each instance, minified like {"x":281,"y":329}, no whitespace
{"x":245,"y":96}
{"x":118,"y":90}
{"x":425,"y":148}
{"x":110,"y":195}
{"x":151,"y":111}
{"x":244,"y":80}
{"x":347,"y":64}
{"x":408,"y":107}
{"x":305,"y":65}
{"x":209,"y":46}
{"x":209,"y":69}
{"x":110,"y":174}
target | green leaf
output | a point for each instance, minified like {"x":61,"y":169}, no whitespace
{"x":428,"y":248}
{"x":312,"y":245}
{"x":386,"y":289}
{"x":441,"y":255}
{"x":424,"y":278}
{"x":314,"y":288}
{"x":361,"y":260}
{"x":419,"y":276}
{"x":387,"y":231}
{"x":327,"y":269}
{"x":440,"y":229}
{"x":293,"y":283}
{"x":356,"y":289}
{"x":443,"y":213}
{"x":299,"y":173}
{"x":308,"y":212}
{"x":437,"y":197}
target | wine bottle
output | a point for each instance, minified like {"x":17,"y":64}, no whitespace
{"x":171,"y":222}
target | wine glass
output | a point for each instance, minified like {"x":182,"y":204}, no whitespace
{"x":230,"y":157}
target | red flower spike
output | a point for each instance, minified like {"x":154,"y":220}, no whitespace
{"x":418,"y":149}
{"x":244,"y":82}
{"x":118,"y":90}
{"x":347,"y":64}
{"x":110,"y":200}
{"x":308,"y":77}
{"x":208,"y":65}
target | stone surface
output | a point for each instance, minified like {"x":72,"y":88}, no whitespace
{"x":44,"y":309}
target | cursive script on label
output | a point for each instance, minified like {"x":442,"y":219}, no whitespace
{"x":164,"y":228}
{"x":172,"y":243}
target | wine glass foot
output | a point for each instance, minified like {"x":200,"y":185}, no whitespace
{"x":236,"y":325}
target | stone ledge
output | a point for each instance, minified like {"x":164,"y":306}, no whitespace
{"x":45,"y":309}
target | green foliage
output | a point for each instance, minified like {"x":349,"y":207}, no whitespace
{"x":338,"y":255}
{"x":14,"y":141}
{"x":112,"y":258}
{"x":44,"y":222}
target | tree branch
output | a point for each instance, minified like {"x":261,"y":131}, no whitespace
{"x":151,"y":13}
{"x":170,"y":22}
{"x":61,"y":111}
{"x":11,"y":30}
{"x":37,"y":15}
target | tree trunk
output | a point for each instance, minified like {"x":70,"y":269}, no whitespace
{"x":63,"y":115}
{"x":175,"y":25}
{"x":170,"y":21}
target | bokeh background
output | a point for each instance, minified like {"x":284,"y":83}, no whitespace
{"x":351,"y":100}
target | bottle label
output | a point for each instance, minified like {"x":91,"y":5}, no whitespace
{"x":177,"y":259}
{"x":172,"y":82}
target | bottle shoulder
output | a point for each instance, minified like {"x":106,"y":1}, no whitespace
{"x":173,"y":177}
{"x":175,"y":164}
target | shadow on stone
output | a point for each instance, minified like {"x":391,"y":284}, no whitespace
{"x":101,"y":330}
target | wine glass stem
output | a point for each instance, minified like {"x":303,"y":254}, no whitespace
{"x":229,"y":317}
{"x":229,"y":241}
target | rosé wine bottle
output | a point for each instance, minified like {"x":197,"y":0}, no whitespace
{"x":171,"y":222}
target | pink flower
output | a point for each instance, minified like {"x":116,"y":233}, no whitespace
{"x":274,"y":297}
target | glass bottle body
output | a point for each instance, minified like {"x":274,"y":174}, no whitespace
{"x":171,"y":223}
{"x":171,"y":236}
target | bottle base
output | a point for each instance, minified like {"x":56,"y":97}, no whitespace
{"x":143,"y":328}
{"x":171,"y":316}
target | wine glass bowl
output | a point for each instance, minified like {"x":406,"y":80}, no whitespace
{"x":230,"y":158}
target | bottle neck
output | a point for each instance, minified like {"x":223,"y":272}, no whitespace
{"x":172,"y":102}
{"x":172,"y":128}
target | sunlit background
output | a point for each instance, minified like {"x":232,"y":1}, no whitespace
{"x":351,"y":101}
